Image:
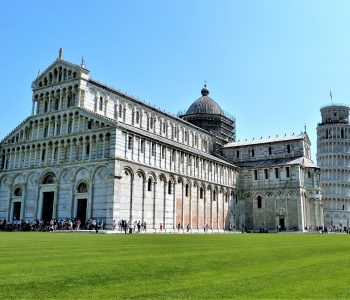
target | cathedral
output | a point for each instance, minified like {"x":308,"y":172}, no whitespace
{"x":90,"y":151}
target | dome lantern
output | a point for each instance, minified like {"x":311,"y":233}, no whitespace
{"x":205,"y":105}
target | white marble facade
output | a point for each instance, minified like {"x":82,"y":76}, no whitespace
{"x":91,"y":151}
{"x":278,"y":184}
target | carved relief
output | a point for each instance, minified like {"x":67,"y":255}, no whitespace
{"x":280,"y":211}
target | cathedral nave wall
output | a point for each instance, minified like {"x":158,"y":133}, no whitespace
{"x":158,"y":197}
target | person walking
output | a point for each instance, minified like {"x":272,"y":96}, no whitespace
{"x":96,"y":227}
{"x":78,"y":224}
{"x":138,"y":226}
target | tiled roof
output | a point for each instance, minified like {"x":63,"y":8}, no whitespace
{"x":302,"y":161}
{"x":205,"y":105}
{"x":267,"y":140}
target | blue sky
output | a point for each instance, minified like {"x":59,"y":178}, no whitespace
{"x":271,"y":64}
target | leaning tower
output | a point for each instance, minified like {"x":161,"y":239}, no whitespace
{"x":333,"y":157}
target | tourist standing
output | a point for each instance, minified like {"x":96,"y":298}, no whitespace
{"x":78,"y":224}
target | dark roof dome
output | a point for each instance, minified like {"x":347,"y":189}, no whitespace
{"x":205,"y":91}
{"x":205,"y":105}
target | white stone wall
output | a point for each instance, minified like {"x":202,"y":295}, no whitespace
{"x":254,"y":152}
{"x":67,"y":178}
{"x":169,"y":206}
{"x":133,"y":112}
{"x":278,"y":186}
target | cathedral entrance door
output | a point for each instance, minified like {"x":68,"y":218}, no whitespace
{"x":81,"y":211}
{"x":16,"y":215}
{"x":48,"y":198}
{"x":282,"y":224}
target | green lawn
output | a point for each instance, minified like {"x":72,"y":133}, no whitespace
{"x":88,"y":266}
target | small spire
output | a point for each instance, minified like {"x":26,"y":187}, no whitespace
{"x":304,"y":127}
{"x":82,"y":63}
{"x":205,"y":91}
{"x":60,"y":53}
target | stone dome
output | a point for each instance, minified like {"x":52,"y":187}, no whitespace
{"x":205,"y":105}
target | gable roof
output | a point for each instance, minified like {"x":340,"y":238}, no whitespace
{"x":93,"y":115}
{"x":266,"y":163}
{"x":302,"y":136}
{"x":60,"y":62}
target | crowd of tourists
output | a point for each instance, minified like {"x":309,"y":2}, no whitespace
{"x":52,"y":225}
{"x":337,"y":229}
{"x":125,"y":226}
{"x":128,"y":227}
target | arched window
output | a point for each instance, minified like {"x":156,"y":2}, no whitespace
{"x":186,"y":190}
{"x":153,"y":149}
{"x":288,"y":148}
{"x":43,"y":154}
{"x":101,"y":103}
{"x":201,"y":193}
{"x":69,"y":101}
{"x":151,"y":123}
{"x":149,"y":185}
{"x":18,"y":192}
{"x":58,"y":129}
{"x":252,"y":153}
{"x":342,"y":133}
{"x":259,"y":202}
{"x":56,"y":104}
{"x":87,"y":150}
{"x":120,"y":110}
{"x":169,"y":187}
{"x":70,"y":127}
{"x":137,"y":117}
{"x":46,"y":128}
{"x":82,"y":188}
{"x":45,"y":106}
{"x":130,"y":143}
{"x":48,"y":179}
{"x":3,"y":161}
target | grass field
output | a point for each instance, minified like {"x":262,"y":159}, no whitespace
{"x":88,"y":266}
